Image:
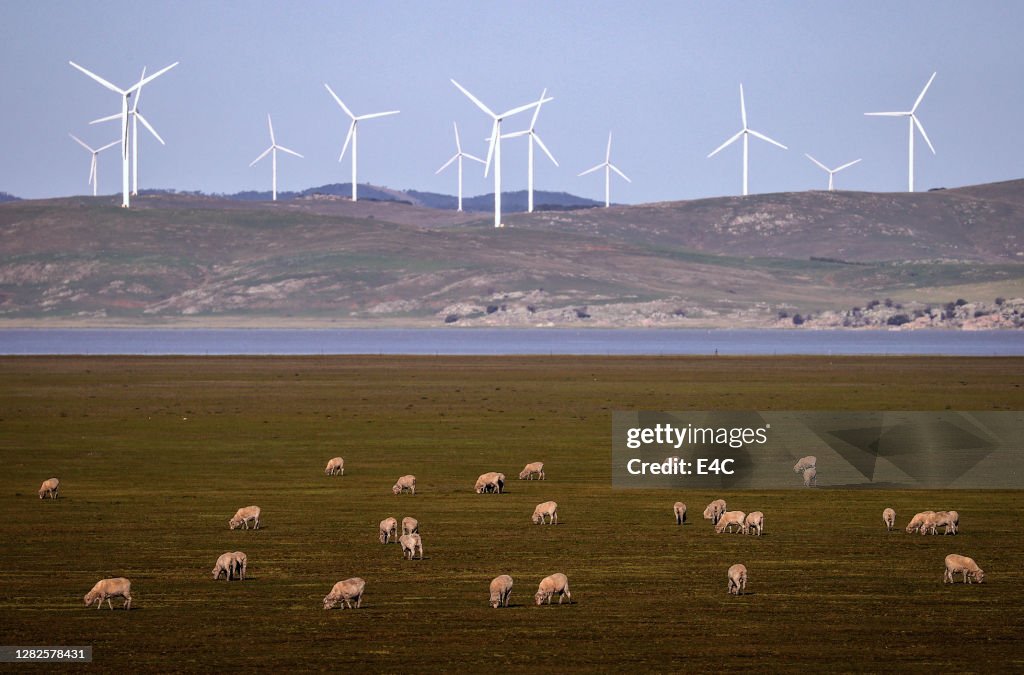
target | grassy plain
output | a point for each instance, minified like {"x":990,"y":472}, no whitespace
{"x":155,"y":454}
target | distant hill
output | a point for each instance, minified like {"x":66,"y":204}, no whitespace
{"x":940,"y":258}
{"x":7,"y":197}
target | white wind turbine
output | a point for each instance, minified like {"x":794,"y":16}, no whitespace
{"x":274,"y":147}
{"x":533,"y":136}
{"x":459,"y":154}
{"x":136,"y":118}
{"x":746,"y":132}
{"x":125,"y":95}
{"x":93,"y":176}
{"x":913,"y":121}
{"x":831,"y":172}
{"x":494,"y":146}
{"x":608,"y":168}
{"x":353,"y":134}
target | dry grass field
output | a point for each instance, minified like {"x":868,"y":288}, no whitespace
{"x":155,"y":454}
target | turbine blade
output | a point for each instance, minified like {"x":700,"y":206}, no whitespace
{"x":447,"y":164}
{"x":616,"y":170}
{"x":519,"y":109}
{"x":743,"y":107}
{"x":348,"y":139}
{"x":474,"y":99}
{"x":592,"y":169}
{"x":727,"y":143}
{"x":338,"y":100}
{"x":290,"y":152}
{"x":82,"y":143}
{"x":380,"y":114}
{"x":138,"y":94}
{"x":138,"y":85}
{"x":92,"y":170}
{"x":536,"y":111}
{"x":472,"y":157}
{"x":846,"y":166}
{"x":919,"y":98}
{"x":108,"y":145}
{"x":545,"y":149}
{"x":261,"y":156}
{"x":490,"y":146}
{"x":108,"y":118}
{"x":765,"y":138}
{"x":458,"y":143}
{"x":150,"y":127}
{"x":98,"y":79}
{"x":515,"y":134}
{"x":888,"y":114}
{"x":920,"y":128}
{"x":608,"y":152}
{"x":817,"y":162}
{"x":270,"y":125}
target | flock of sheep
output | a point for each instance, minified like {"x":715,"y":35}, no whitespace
{"x":349,"y":593}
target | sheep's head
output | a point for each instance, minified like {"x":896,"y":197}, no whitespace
{"x":396,"y":489}
{"x":979,"y":576}
{"x":330,"y":602}
{"x":540,"y":596}
{"x":89,"y":598}
{"x":537,"y":518}
{"x":232,"y":523}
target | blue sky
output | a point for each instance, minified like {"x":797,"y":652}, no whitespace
{"x":662,"y":76}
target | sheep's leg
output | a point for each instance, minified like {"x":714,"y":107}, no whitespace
{"x":109,"y":603}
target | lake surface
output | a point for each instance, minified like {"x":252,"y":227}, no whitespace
{"x":455,"y":341}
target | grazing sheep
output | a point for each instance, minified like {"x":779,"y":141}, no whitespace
{"x":549,"y":509}
{"x":241,"y":565}
{"x":410,"y":544}
{"x":728,"y":519}
{"x":492,"y":481}
{"x":754,"y":521}
{"x":105,"y":589}
{"x":388,"y":530}
{"x":808,"y":462}
{"x":737,"y":579}
{"x":243,"y":516}
{"x":556,"y":584}
{"x":225,"y":565}
{"x":532,"y":469}
{"x":349,"y":592}
{"x":889,"y":518}
{"x":501,"y":589}
{"x":410,"y":525}
{"x":405,"y":483}
{"x":918,"y":520}
{"x":49,"y":488}
{"x":933,"y":521}
{"x":961,"y":563}
{"x":954,"y":522}
{"x":334,"y":466}
{"x":679,"y":509}
{"x":810,"y":477}
{"x":714,"y":511}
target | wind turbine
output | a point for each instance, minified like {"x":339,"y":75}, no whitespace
{"x":93,"y":177}
{"x":532,"y":133}
{"x":746,"y":132}
{"x":353,"y":134}
{"x":608,"y":168}
{"x":913,"y":121}
{"x":459,"y":154}
{"x":125,"y":95}
{"x":494,"y":147}
{"x":136,"y":118}
{"x":274,"y":147}
{"x":831,"y":172}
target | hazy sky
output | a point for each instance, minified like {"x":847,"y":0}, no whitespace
{"x":663,"y":76}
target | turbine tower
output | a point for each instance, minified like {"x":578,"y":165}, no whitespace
{"x":831,"y":172}
{"x":125,"y":95}
{"x":93,"y":177}
{"x":608,"y":168}
{"x":746,"y":132}
{"x":136,"y":117}
{"x":494,"y":147}
{"x":353,"y":134}
{"x":459,"y":154}
{"x":274,"y":147}
{"x":912,"y":121}
{"x":533,"y":137}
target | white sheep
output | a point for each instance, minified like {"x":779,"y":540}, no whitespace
{"x":889,"y":518}
{"x":754,"y":522}
{"x":810,"y":477}
{"x":410,"y":544}
{"x":737,"y":579}
{"x":804,"y":463}
{"x":728,"y":519}
{"x":954,"y":522}
{"x":410,"y":525}
{"x":918,"y":520}
{"x":556,"y":584}
{"x":532,"y":469}
{"x":961,"y":563}
{"x":349,"y":592}
{"x":492,"y":481}
{"x":388,"y":530}
{"x":243,"y":516}
{"x":49,"y":488}
{"x":501,"y":589}
{"x":679,"y":509}
{"x":404,"y":483}
{"x":105,"y":589}
{"x":545,"y":509}
{"x":933,"y":521}
{"x":714,"y":511}
{"x":241,"y":564}
{"x":225,"y":565}
{"x":335,"y":465}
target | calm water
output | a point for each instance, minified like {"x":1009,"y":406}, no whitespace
{"x":456,"y":341}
